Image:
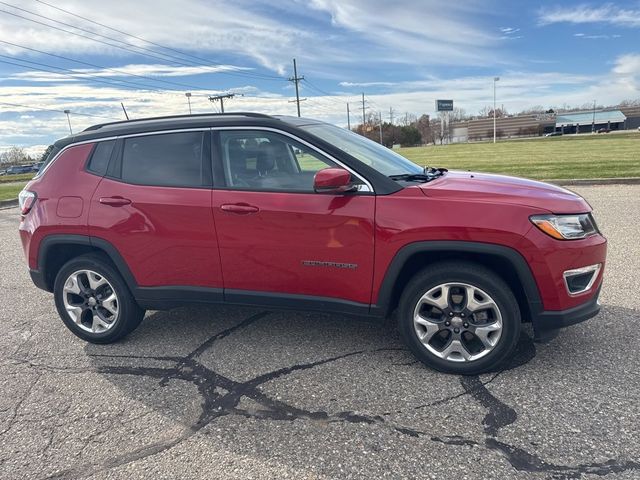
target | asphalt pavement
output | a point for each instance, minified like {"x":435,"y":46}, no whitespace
{"x":238,"y":393}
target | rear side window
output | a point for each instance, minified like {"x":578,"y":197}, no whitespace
{"x":100,"y":157}
{"x":170,"y":159}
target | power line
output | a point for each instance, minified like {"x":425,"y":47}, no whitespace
{"x":72,"y":74}
{"x":327,"y":96}
{"x":122,"y":73}
{"x":153,"y":53}
{"x":30,"y":107}
{"x":87,"y":74}
{"x":142,"y":39}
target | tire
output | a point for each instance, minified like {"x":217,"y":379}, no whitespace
{"x":486,"y":329}
{"x":94,"y":301}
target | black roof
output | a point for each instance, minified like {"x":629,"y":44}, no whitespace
{"x":172,"y":122}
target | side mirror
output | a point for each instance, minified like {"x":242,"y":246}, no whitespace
{"x":332,"y":180}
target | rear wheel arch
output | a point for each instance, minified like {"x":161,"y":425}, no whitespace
{"x":56,"y":250}
{"x":502,"y":260}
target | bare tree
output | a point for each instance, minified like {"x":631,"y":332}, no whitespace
{"x":14,"y":156}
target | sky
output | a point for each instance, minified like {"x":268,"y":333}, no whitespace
{"x":89,"y":56}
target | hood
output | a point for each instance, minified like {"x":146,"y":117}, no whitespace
{"x":482,"y":187}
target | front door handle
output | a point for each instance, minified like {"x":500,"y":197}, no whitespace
{"x":239,"y":208}
{"x":115,"y":201}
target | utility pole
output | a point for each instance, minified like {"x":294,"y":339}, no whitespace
{"x":380,"y":125}
{"x":188,"y":95}
{"x":69,"y":120}
{"x":348,"y":117}
{"x":296,"y":80}
{"x":391,"y":115}
{"x":215,"y":98}
{"x":593,"y":121}
{"x":495,"y":79}
{"x":363,"y":115}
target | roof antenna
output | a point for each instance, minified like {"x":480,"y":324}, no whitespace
{"x":124,"y":110}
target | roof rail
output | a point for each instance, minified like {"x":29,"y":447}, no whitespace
{"x":169,"y":117}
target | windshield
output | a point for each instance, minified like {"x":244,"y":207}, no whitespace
{"x":370,"y":153}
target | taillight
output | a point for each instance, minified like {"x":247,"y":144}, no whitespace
{"x":26,"y":200}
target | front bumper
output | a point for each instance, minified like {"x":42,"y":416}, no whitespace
{"x":546,"y":324}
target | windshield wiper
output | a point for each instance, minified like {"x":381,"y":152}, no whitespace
{"x":428,"y":174}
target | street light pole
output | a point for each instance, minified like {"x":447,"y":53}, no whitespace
{"x":69,"y":121}
{"x":495,"y":79}
{"x":188,"y":95}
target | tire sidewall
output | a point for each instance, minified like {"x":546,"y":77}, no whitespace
{"x":476,"y":276}
{"x":126,"y":306}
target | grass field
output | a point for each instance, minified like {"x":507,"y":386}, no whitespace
{"x":584,"y":156}
{"x":23,"y":177}
{"x":7,"y":192}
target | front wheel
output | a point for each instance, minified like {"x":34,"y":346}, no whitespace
{"x":459,"y":317}
{"x":93,"y":300}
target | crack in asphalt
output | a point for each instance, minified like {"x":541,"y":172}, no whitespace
{"x":500,"y":415}
{"x":221,"y":396}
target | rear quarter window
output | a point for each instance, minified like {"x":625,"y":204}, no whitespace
{"x":100,"y":157}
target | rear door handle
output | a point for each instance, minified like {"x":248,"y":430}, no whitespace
{"x":239,"y":208}
{"x":115,"y":201}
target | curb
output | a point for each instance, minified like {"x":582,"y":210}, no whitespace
{"x":596,"y":181}
{"x":8,"y":203}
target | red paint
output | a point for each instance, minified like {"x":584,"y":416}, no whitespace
{"x":165,"y":234}
{"x":331,"y":178}
{"x":264,"y":250}
{"x":282,"y":242}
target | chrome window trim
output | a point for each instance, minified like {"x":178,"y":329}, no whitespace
{"x":366,"y":188}
{"x":581,"y":271}
{"x":116,"y":137}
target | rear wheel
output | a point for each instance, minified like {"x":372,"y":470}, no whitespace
{"x":93,"y":300}
{"x":459,"y":317}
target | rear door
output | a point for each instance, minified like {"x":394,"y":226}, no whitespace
{"x":277,"y":236}
{"x":154,"y":207}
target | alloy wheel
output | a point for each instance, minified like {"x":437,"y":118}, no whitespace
{"x":457,"y":322}
{"x":90,"y":301}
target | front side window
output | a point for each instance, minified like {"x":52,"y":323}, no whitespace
{"x":261,"y":160}
{"x":170,"y":159}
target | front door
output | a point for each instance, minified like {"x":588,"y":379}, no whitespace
{"x":277,"y":237}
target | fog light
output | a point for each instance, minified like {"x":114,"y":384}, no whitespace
{"x":580,"y":280}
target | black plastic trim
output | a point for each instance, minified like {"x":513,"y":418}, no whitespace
{"x":512,"y":256}
{"x":39,"y":279}
{"x":296,"y":302}
{"x":161,"y":298}
{"x":52,"y":240}
{"x":546,"y":323}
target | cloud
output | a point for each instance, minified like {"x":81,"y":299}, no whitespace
{"x":607,"y":13}
{"x":367,"y":84}
{"x":517,"y":90}
{"x":596,"y":37}
{"x":324,"y":35}
{"x":126,"y":71}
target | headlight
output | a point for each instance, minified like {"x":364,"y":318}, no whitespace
{"x":566,"y":227}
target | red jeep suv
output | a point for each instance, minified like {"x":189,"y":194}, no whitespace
{"x":285,"y":212}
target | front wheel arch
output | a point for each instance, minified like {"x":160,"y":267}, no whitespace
{"x":504,"y":261}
